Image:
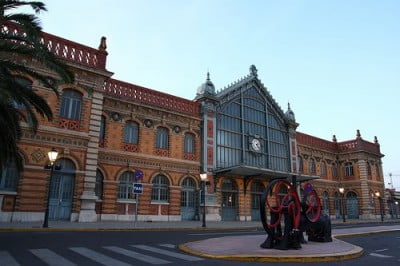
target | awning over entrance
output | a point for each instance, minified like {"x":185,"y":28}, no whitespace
{"x":262,"y":173}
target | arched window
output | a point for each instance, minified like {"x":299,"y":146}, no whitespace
{"x":98,"y":188}
{"x":368,"y":169}
{"x":348,"y":169}
{"x":160,"y":191}
{"x":189,"y":143}
{"x":131,"y":132}
{"x":300,"y":164}
{"x":188,"y":192}
{"x":377,"y":170}
{"x":102,"y":128}
{"x":335,"y":172}
{"x":162,"y":138}
{"x":71,"y":102}
{"x":9,"y":177}
{"x":126,"y":185}
{"x":312,"y":166}
{"x":323,"y":169}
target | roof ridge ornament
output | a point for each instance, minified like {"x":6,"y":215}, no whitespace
{"x":253,"y":70}
{"x":103,"y":45}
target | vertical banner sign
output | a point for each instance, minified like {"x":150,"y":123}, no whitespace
{"x":137,"y":190}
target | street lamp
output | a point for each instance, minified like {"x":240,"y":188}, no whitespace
{"x":397,"y":207}
{"x":52,"y":158}
{"x":203,"y":178}
{"x":341,"y":190}
{"x":378,"y":195}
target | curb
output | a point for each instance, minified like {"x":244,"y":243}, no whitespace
{"x":352,"y":254}
{"x":72,"y":229}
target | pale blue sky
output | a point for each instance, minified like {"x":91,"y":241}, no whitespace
{"x":337,"y":62}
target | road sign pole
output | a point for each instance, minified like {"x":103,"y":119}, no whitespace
{"x":136,"y":208}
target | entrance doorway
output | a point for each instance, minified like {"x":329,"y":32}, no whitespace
{"x":61,"y":191}
{"x":256,"y":191}
{"x":229,"y":202}
{"x":352,"y":205}
{"x":188,"y":199}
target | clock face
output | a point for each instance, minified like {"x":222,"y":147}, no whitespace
{"x":255,"y":144}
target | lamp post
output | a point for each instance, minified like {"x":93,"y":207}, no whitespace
{"x":341,"y":190}
{"x":378,"y":195}
{"x":203,"y":178}
{"x":396,"y":207}
{"x":52,"y":158}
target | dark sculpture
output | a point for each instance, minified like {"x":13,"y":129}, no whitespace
{"x":281,"y":200}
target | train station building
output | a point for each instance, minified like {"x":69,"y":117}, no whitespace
{"x":110,"y":134}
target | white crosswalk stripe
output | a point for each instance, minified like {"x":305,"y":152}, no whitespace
{"x":50,"y":257}
{"x":167,"y":245}
{"x":7,"y":259}
{"x":167,"y":253}
{"x":98,"y":257}
{"x":137,"y":255}
{"x":380,"y":255}
{"x":103,"y":256}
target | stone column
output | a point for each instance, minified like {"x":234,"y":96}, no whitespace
{"x":88,"y":197}
{"x":365,"y":208}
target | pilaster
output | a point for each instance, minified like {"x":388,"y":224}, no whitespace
{"x":88,"y":198}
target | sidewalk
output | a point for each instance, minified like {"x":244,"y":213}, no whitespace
{"x":120,"y":225}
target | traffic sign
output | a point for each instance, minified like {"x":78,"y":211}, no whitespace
{"x":137,"y":188}
{"x":138,"y":174}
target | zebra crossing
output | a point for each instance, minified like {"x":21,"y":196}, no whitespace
{"x":131,"y":254}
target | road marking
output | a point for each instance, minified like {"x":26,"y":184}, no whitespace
{"x":380,"y":255}
{"x":136,"y":255}
{"x":50,"y":257}
{"x":7,"y":259}
{"x":168,"y":253}
{"x":98,"y":257}
{"x":167,"y":245}
{"x":381,"y":250}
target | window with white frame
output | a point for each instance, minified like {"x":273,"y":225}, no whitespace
{"x":348,"y":169}
{"x":312,"y":166}
{"x":160,"y":190}
{"x":9,"y":178}
{"x":189,"y":143}
{"x":131,"y":132}
{"x":126,"y":185}
{"x":162,"y":138}
{"x":323,"y":169}
{"x":71,"y":102}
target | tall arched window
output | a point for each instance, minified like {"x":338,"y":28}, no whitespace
{"x":162,"y":138}
{"x":348,"y":169}
{"x":323,"y":169}
{"x":160,"y":191}
{"x":300,"y":164}
{"x":368,"y":169}
{"x":311,"y":166}
{"x":377,"y":171}
{"x":9,"y":178}
{"x":98,"y":188}
{"x":102,"y":128}
{"x":126,"y":185}
{"x":71,"y":102}
{"x":335,"y":171}
{"x":189,"y":143}
{"x":131,"y":132}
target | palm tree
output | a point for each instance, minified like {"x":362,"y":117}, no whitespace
{"x":13,"y":93}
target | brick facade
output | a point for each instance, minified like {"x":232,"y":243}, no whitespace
{"x":119,"y":102}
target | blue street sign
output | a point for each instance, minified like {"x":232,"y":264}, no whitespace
{"x":138,"y":174}
{"x":137,"y":188}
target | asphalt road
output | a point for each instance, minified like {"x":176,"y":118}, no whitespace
{"x":155,"y":248}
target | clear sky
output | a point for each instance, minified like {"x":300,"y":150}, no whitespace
{"x":337,"y":62}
